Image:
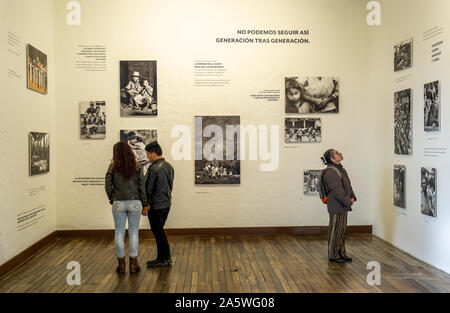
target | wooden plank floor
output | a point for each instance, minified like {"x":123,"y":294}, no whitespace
{"x":228,"y":264}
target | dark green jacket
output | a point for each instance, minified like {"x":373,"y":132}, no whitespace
{"x":117,"y":188}
{"x":159,"y":184}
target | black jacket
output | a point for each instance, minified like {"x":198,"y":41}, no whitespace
{"x":117,"y":188}
{"x":159,"y":184}
{"x":339,"y":190}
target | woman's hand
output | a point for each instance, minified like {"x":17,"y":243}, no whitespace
{"x":145,"y":210}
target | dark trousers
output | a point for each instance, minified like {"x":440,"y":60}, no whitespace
{"x":157,"y":219}
{"x":336,"y":235}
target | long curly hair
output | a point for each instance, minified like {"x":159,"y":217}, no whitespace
{"x":124,"y":160}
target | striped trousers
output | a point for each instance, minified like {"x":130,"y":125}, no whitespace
{"x":336,"y":234}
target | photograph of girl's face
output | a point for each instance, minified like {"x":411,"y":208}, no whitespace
{"x":293,"y":95}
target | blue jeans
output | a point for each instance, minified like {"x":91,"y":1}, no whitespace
{"x":121,"y":210}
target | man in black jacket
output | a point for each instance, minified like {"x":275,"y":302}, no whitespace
{"x":159,"y":185}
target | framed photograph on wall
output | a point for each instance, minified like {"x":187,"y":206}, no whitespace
{"x":403,"y":55}
{"x":92,"y":120}
{"x":39,"y":153}
{"x":303,"y":130}
{"x":36,"y":70}
{"x":138,"y":88}
{"x":311,"y":182}
{"x":432,"y":107}
{"x":217,"y":150}
{"x":305,"y":95}
{"x":399,"y":186}
{"x":403,"y":122}
{"x":428,"y":191}
{"x":138,"y":139}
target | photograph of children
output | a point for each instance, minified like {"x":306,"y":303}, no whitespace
{"x":217,"y":150}
{"x":92,"y":120}
{"x":138,"y":139}
{"x":403,"y":122}
{"x":428,"y":192}
{"x":39,"y":153}
{"x":311,"y":95}
{"x":311,"y":182}
{"x":399,"y":186}
{"x":432,"y":107}
{"x":138,"y":88}
{"x":403,"y":55}
{"x":298,"y":130}
{"x":36,"y":70}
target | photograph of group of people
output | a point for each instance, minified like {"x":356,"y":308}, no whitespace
{"x":428,"y":191}
{"x":403,"y":55}
{"x":39,"y":153}
{"x":311,"y":182}
{"x":298,"y":130}
{"x":432,"y":106}
{"x":138,"y":90}
{"x":36,"y":70}
{"x":92,"y":120}
{"x":403,"y":122}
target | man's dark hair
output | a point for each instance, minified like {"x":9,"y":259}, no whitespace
{"x":154,"y":147}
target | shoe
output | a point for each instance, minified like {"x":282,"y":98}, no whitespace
{"x":134,"y":265}
{"x":159,"y":263}
{"x":338,"y":260}
{"x":347,"y":258}
{"x":121,"y":265}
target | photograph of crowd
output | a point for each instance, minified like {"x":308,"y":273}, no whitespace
{"x":432,"y":107}
{"x":298,"y":130}
{"x":311,"y":182}
{"x":403,"y":55}
{"x":403,"y":122}
{"x":399,"y":186}
{"x":138,"y":88}
{"x":39,"y":153}
{"x":36,"y":70}
{"x":138,"y":139}
{"x":428,"y":191}
{"x":92,"y":120}
{"x":311,"y":95}
{"x":217,"y":150}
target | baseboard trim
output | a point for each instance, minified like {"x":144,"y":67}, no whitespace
{"x":225,"y":231}
{"x":27,"y":254}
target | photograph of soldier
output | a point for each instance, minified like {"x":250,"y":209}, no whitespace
{"x":217,"y":150}
{"x":36,"y":70}
{"x":92,"y":120}
{"x":138,"y":139}
{"x":298,"y":130}
{"x":310,"y":182}
{"x":138,"y":88}
{"x":432,"y":107}
{"x":399,"y":186}
{"x":39,"y":153}
{"x":403,"y":122}
{"x":403,"y":55}
{"x":428,"y":192}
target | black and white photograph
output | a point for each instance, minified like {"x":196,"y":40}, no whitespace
{"x":399,"y":186}
{"x":217,"y":150}
{"x":403,"y":55}
{"x":403,"y":122}
{"x":311,"y":95}
{"x":39,"y":153}
{"x":311,"y":182}
{"x":303,"y":130}
{"x":92,"y":120}
{"x":138,"y":139}
{"x":138,"y":88}
{"x":428,"y":191}
{"x":36,"y":70}
{"x":432,"y":107}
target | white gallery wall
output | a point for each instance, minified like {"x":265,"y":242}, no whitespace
{"x":425,"y":237}
{"x":175,"y":34}
{"x":24,"y":111}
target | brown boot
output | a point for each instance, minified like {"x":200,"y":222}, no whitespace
{"x":121,"y":265}
{"x":134,"y":265}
